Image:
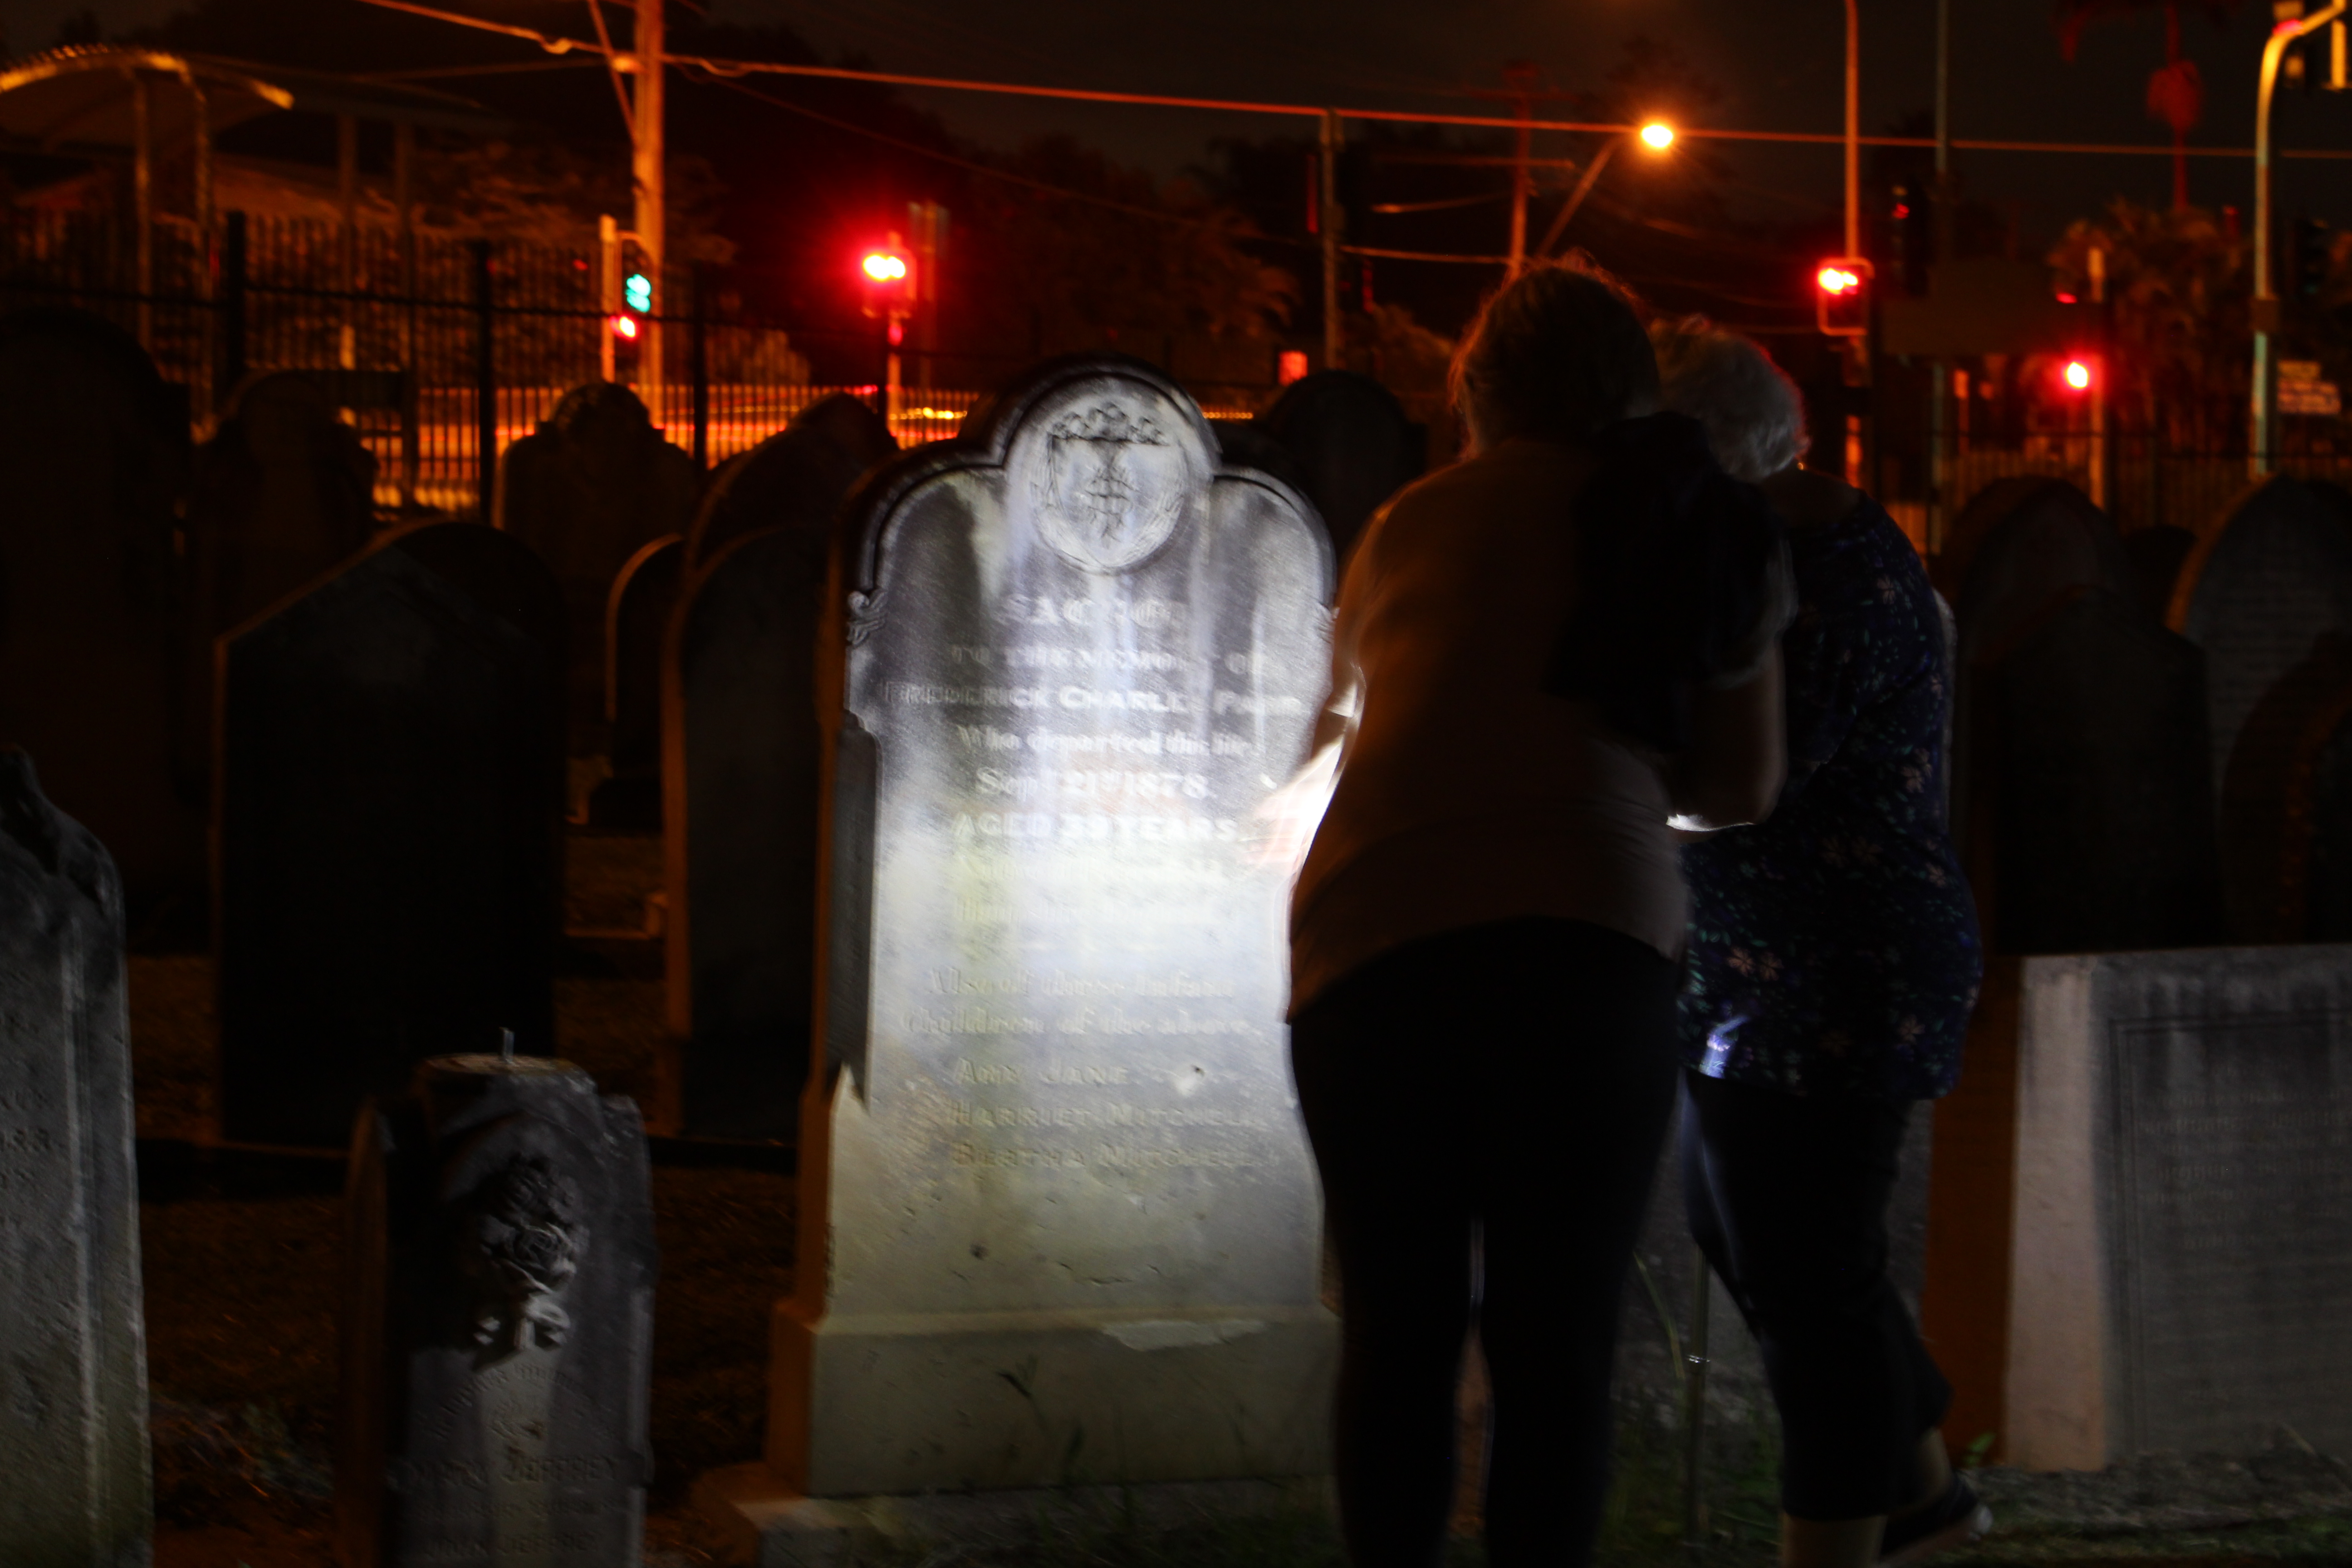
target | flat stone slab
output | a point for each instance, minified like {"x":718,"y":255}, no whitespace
{"x":747,"y":1519}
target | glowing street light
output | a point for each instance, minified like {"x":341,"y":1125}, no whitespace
{"x":1657,"y":135}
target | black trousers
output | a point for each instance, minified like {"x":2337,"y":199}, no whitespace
{"x":1787,"y":1195}
{"x":1503,"y":1092}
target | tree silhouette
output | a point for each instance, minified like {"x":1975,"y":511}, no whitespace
{"x":2176,"y":90}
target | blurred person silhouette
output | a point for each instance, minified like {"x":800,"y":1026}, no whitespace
{"x":1833,"y":964}
{"x":1541,"y":655}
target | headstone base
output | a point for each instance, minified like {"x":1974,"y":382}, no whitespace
{"x":909,"y":1403}
{"x":745,"y":1518}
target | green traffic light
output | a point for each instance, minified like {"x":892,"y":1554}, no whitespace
{"x":638,"y":291}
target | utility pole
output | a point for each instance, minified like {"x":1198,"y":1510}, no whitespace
{"x":1333,"y":345}
{"x":1940,"y":455}
{"x":1519,"y":76}
{"x":646,"y":137}
{"x":2266,"y":312}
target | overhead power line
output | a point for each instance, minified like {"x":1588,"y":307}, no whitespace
{"x":559,"y":44}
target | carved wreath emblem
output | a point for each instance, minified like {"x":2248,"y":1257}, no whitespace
{"x":525,"y":1243}
{"x":1113,"y":488}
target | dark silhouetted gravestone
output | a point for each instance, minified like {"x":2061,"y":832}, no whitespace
{"x":2278,"y":803}
{"x":284,"y":493}
{"x":2322,"y":807}
{"x":2019,"y":552}
{"x":2157,"y":555}
{"x":594,"y":484}
{"x":1058,"y":1134}
{"x":2259,"y":598}
{"x":1353,"y":443}
{"x":498,"y":1333}
{"x":739,"y":764}
{"x":93,"y":454}
{"x":391,"y":785}
{"x":636,"y":621}
{"x":2091,"y":746}
{"x":74,"y":1479}
{"x":803,"y":471}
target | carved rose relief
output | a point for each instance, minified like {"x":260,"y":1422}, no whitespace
{"x":522,"y":1246}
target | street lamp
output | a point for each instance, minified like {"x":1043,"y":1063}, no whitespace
{"x":2266,"y":304}
{"x":1656,"y":135}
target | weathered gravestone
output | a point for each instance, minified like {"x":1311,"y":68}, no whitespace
{"x":2258,"y":595}
{"x":498,"y":1335}
{"x":2079,"y":801}
{"x":803,"y":471}
{"x":636,"y":621}
{"x":93,"y":453}
{"x":739,"y":764}
{"x":388,"y":805}
{"x":594,"y":484}
{"x":2091,"y":789}
{"x":2277,"y":807}
{"x":1354,"y":445}
{"x":2154,"y":1207}
{"x":74,"y":1479}
{"x":1059,"y":1217}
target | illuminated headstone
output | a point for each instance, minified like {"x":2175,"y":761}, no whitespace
{"x":74,"y":1489}
{"x":1059,"y":1219}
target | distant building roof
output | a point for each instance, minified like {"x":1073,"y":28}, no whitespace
{"x":79,"y":97}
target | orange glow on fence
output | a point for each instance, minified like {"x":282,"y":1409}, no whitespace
{"x":884,"y":267}
{"x":1837,"y":280}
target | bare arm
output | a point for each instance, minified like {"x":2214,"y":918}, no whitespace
{"x":1732,"y":771}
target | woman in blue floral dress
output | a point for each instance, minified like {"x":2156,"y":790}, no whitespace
{"x":1833,"y":964}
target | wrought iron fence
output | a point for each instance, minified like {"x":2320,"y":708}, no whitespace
{"x":442,"y":349}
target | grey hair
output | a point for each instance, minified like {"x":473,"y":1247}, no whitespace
{"x":1753,"y":413}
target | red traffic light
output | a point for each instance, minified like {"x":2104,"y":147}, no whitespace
{"x":886,"y":273}
{"x":1842,"y":296}
{"x":2076,"y":376}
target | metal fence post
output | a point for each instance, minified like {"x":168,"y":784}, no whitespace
{"x":697,"y":360}
{"x":485,"y":386}
{"x":232,"y":307}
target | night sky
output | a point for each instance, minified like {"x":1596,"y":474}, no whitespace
{"x":1778,"y":60}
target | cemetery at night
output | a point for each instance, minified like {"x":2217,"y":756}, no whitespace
{"x":877,"y":785}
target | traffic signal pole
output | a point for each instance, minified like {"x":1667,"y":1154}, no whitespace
{"x":1333,"y":344}
{"x":645,"y":128}
{"x":2266,"y":313}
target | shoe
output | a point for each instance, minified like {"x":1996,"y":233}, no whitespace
{"x":1957,"y":1518}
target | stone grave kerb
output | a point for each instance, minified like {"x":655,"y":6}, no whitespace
{"x":1009,"y":1333}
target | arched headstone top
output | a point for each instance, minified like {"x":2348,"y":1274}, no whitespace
{"x":2022,"y":547}
{"x":2281,"y":522}
{"x":1353,"y":443}
{"x":795,"y":480}
{"x":497,"y":571}
{"x":597,"y":412}
{"x":160,"y":407}
{"x":1100,"y":461}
